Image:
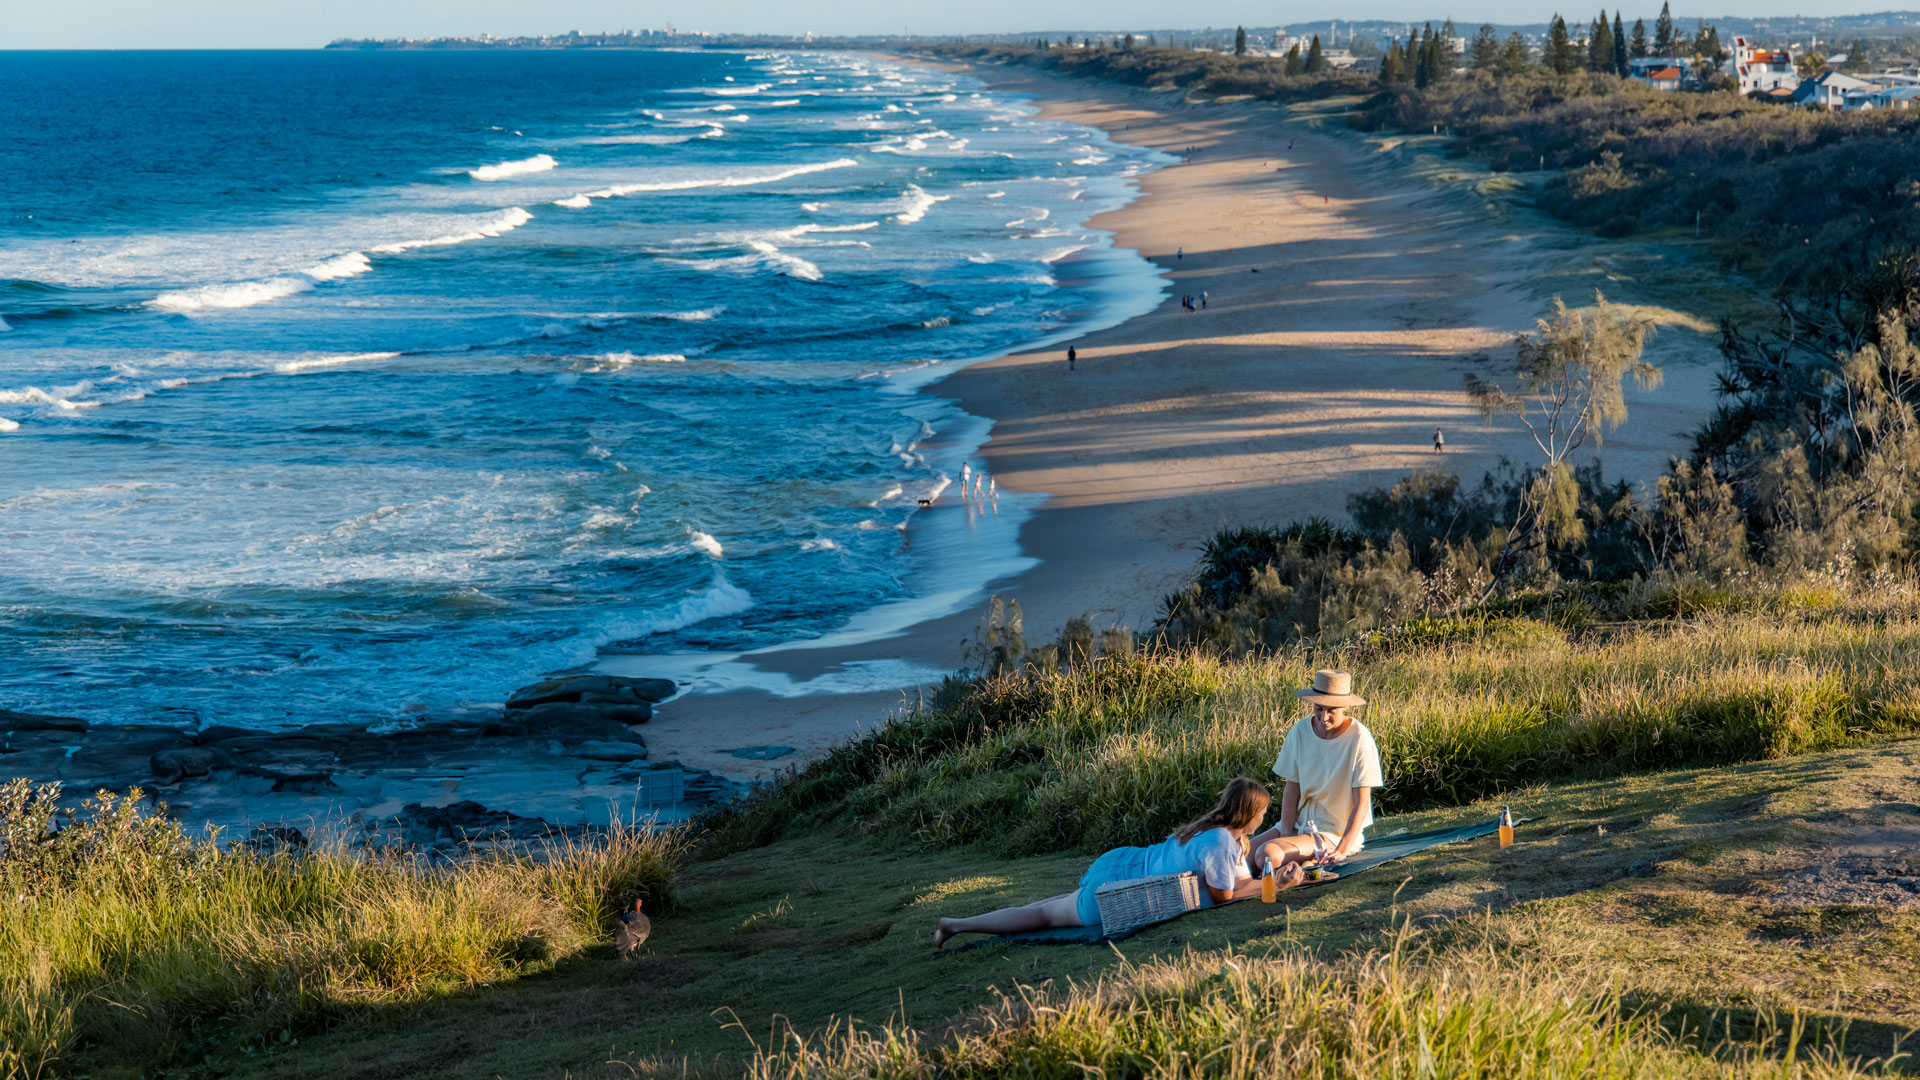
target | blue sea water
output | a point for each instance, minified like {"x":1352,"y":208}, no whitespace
{"x":343,"y":385}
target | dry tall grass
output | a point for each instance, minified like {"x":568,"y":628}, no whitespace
{"x":1121,"y":751}
{"x":1484,"y":1005}
{"x":123,"y":933}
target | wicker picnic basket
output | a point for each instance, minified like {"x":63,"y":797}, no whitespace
{"x":1126,"y":906}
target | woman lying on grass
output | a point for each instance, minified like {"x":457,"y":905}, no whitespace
{"x":1213,"y":847}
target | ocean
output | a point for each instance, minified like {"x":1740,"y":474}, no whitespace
{"x":361,"y":386}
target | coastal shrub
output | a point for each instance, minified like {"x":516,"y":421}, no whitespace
{"x":1464,"y":708}
{"x":1216,"y":74}
{"x":124,"y":940}
{"x":967,"y":711}
{"x":1489,"y":1001}
{"x":1825,"y":190}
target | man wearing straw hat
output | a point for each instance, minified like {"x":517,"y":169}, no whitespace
{"x":1331,"y":766}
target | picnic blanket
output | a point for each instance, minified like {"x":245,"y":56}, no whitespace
{"x":1383,"y":850}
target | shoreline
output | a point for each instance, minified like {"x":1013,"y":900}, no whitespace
{"x":1271,"y":405}
{"x":1351,"y":287}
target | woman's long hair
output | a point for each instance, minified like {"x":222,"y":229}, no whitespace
{"x":1241,"y":806}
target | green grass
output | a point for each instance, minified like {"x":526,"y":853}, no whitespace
{"x":1645,"y":899}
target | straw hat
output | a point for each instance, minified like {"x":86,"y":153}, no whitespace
{"x":1333,"y":688}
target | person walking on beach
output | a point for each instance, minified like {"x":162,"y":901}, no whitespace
{"x":1179,"y":253}
{"x":1439,"y":441}
{"x":966,"y":477}
{"x":1072,"y":355}
{"x":1203,"y":298}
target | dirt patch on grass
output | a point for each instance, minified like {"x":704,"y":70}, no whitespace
{"x":1864,"y":880}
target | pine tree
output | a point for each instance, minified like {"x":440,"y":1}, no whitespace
{"x":1619,"y":46}
{"x":1422,"y":49}
{"x":1293,"y":60}
{"x":1600,"y":45}
{"x":1664,"y":44}
{"x":1316,"y":58}
{"x":1443,"y":53}
{"x":1152,"y":42}
{"x":1485,"y":53}
{"x":1639,"y":47}
{"x":1127,"y":43}
{"x":1240,"y":41}
{"x":1560,"y":57}
{"x":1390,"y":64}
{"x":1513,"y":55}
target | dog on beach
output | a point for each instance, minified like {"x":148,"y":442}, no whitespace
{"x":926,"y":502}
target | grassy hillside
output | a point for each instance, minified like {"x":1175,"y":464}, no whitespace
{"x":1632,"y":931}
{"x":1677,"y":923}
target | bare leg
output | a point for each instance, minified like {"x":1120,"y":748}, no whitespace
{"x":1055,"y":911}
{"x":1282,"y":850}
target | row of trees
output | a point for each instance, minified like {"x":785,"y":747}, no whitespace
{"x":1608,"y":49}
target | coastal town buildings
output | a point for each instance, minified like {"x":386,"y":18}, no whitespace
{"x":1762,"y":69}
{"x":1831,"y":89}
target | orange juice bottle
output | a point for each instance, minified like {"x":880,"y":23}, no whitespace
{"x":1269,"y":889}
{"x":1506,"y":826}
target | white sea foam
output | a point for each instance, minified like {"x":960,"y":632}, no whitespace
{"x":249,"y":293}
{"x":704,"y":542}
{"x":617,"y":360}
{"x":9,"y":425}
{"x":790,"y":265}
{"x":937,"y":323}
{"x":691,"y":183}
{"x":240,"y":294}
{"x":819,"y":543}
{"x":574,"y":202}
{"x":712,"y":132}
{"x":729,"y":91}
{"x":917,"y":203}
{"x":342,"y":266}
{"x":505,"y":169}
{"x":503,"y":222}
{"x":802,"y":230}
{"x":290,"y":367}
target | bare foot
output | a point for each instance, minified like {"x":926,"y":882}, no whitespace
{"x":941,"y":935}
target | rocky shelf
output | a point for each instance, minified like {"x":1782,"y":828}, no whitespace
{"x":563,"y":753}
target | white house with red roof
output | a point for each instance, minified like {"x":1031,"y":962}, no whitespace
{"x":1762,"y":69}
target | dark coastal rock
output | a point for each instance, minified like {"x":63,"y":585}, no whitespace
{"x":554,"y":714}
{"x":173,"y":766}
{"x":16,"y":721}
{"x":275,"y":839}
{"x":572,"y":687}
{"x":606,"y":750}
{"x":462,"y":822}
{"x":465,"y":781}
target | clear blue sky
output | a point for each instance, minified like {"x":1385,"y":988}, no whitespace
{"x":170,"y":24}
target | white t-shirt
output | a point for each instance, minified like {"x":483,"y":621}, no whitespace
{"x":1214,"y":855}
{"x":1327,"y":771}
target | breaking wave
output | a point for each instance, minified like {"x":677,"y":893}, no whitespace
{"x":505,"y":169}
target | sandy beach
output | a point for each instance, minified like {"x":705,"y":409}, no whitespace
{"x":1348,"y":293}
